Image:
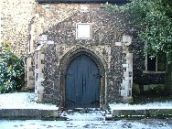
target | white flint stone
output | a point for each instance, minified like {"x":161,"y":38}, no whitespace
{"x":43,"y":37}
{"x":118,"y":43}
{"x":50,"y":42}
{"x":125,"y":65}
{"x":127,"y":39}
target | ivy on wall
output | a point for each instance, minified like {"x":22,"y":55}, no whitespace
{"x":153,"y":21}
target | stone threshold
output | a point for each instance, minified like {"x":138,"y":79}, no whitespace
{"x":30,"y":114}
{"x":39,"y":114}
{"x":139,"y":114}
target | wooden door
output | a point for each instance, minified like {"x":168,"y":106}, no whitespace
{"x":82,"y":83}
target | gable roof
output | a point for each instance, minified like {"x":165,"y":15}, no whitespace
{"x":83,"y":1}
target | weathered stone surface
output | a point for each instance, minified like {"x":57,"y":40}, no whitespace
{"x":27,"y":24}
{"x":20,"y":114}
{"x":16,"y":19}
{"x":139,"y":77}
{"x":142,"y":113}
{"x":106,"y":31}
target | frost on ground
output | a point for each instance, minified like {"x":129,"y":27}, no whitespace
{"x":90,"y":115}
{"x":22,"y":100}
{"x":152,"y":105}
{"x":121,"y":124}
{"x":28,"y":101}
{"x":78,"y":120}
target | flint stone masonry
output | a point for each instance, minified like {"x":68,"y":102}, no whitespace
{"x":15,"y":19}
{"x":107,"y":33}
{"x":49,"y":31}
{"x":46,"y":16}
{"x":23,"y":21}
{"x":139,"y":77}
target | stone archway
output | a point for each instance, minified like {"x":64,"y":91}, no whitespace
{"x":65,"y":62}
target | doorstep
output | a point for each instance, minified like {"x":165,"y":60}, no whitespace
{"x":139,"y":114}
{"x":39,"y":114}
{"x":26,"y":114}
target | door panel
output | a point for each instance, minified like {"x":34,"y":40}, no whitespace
{"x":82,"y":83}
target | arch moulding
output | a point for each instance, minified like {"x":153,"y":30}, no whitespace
{"x":65,"y":62}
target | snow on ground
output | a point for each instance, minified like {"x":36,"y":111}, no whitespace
{"x":121,"y":124}
{"x":22,"y":100}
{"x":78,"y":120}
{"x":25,"y":100}
{"x":92,"y":114}
{"x":153,"y":105}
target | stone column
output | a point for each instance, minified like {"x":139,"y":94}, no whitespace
{"x":127,"y":82}
{"x":39,"y":77}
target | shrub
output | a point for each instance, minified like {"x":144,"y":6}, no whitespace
{"x":155,"y":90}
{"x":11,"y":70}
{"x":136,"y":90}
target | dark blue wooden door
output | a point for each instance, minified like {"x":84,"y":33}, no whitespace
{"x":82,"y":83}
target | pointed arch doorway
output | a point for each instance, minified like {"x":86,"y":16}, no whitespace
{"x":81,"y":68}
{"x":82,"y":83}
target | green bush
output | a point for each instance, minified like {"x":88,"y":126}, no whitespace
{"x":155,"y":90}
{"x":135,"y":90}
{"x":11,"y":70}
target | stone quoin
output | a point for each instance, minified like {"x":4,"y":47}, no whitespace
{"x":56,"y":36}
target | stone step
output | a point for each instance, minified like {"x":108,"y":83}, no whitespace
{"x":21,"y":114}
{"x":140,"y":113}
{"x":86,"y":115}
